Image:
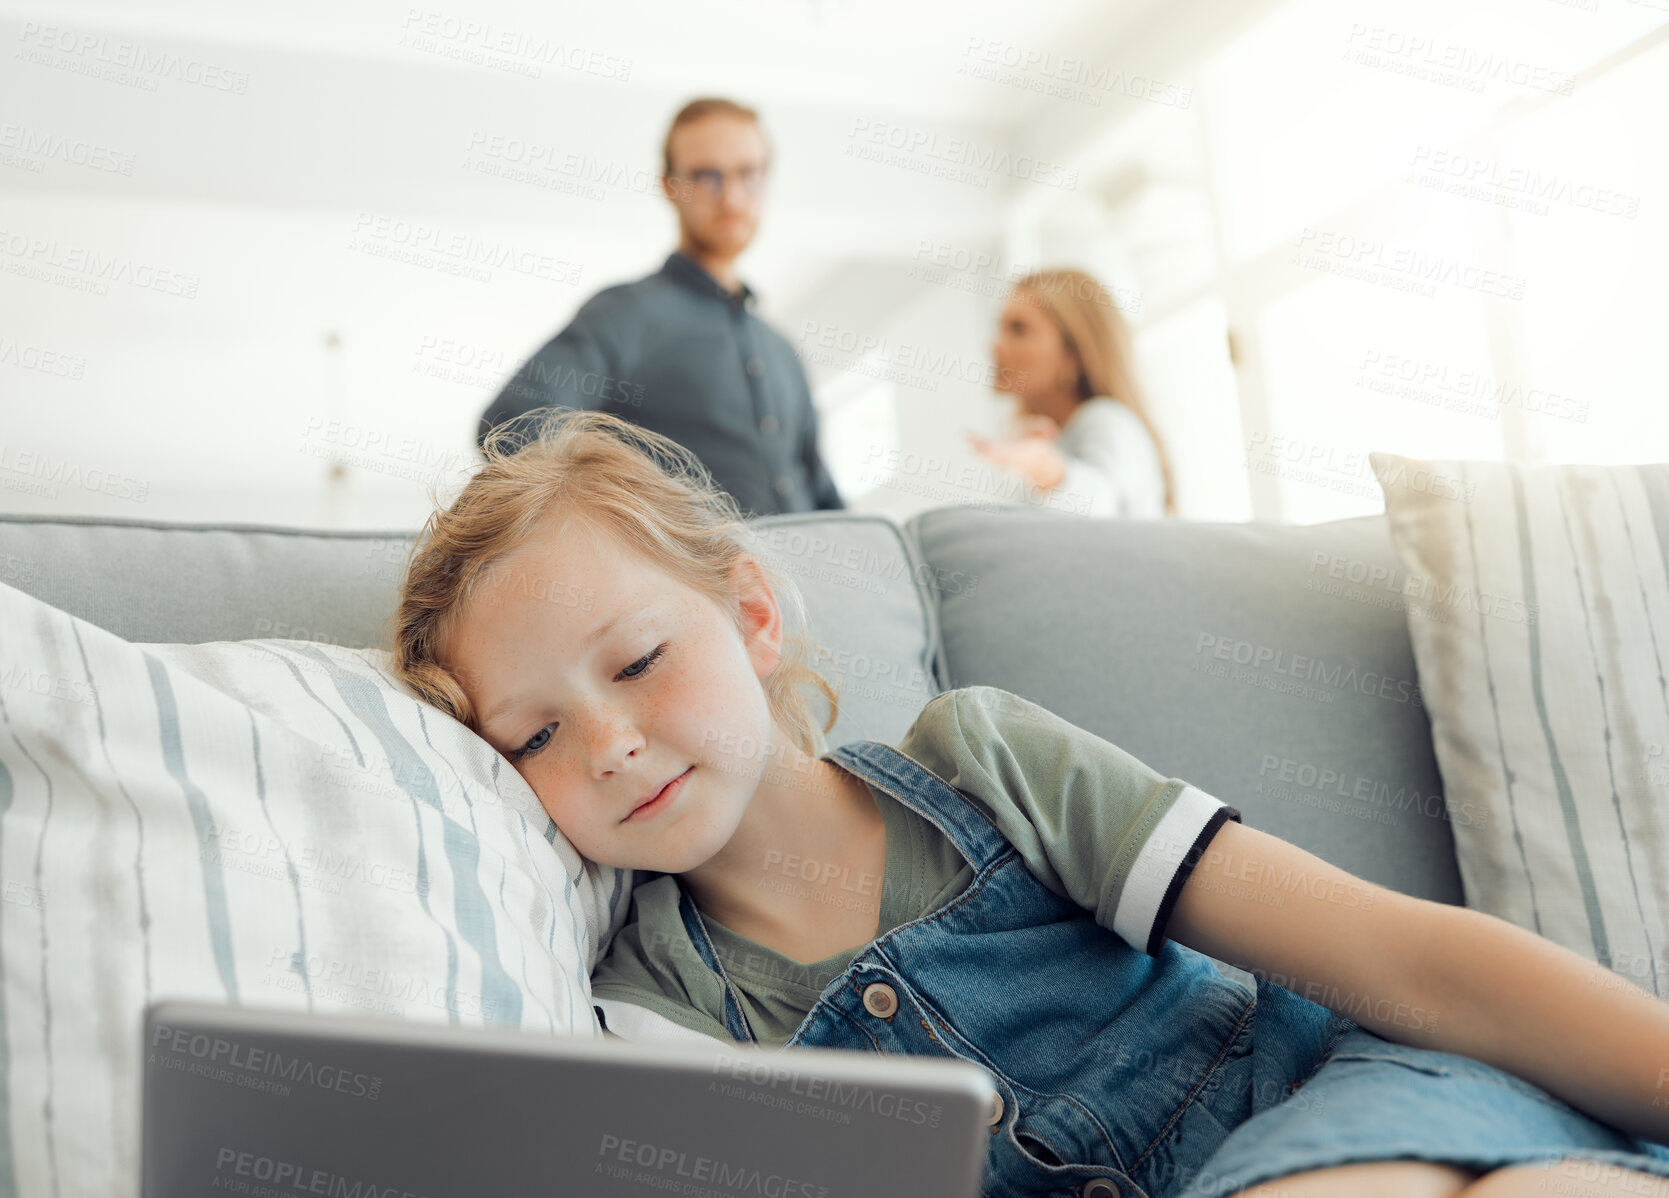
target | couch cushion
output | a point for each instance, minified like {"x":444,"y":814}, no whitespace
{"x":1547,"y":691}
{"x":1267,"y":664}
{"x":865,"y":588}
{"x":192,"y":583}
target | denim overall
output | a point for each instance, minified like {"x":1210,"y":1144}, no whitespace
{"x":1120,"y":1075}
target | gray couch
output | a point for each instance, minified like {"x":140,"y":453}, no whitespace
{"x":1269,"y":665}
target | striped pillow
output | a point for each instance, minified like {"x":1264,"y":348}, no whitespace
{"x":271,"y":823}
{"x":1539,"y":611}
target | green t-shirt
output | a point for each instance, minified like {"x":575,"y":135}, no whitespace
{"x":1090,"y":821}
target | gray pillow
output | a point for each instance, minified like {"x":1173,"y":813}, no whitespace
{"x":866,"y":590}
{"x":1243,"y":658}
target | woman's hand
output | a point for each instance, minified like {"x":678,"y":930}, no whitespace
{"x":1043,"y":426}
{"x":1032,"y":454}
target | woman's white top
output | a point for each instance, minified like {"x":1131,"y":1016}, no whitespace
{"x":1112,"y":464}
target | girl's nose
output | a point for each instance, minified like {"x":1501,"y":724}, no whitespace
{"x":612,"y":740}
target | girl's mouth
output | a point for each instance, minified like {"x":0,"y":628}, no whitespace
{"x":662,"y":800}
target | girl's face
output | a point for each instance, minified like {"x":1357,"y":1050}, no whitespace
{"x":601,"y":678}
{"x":1031,"y":356}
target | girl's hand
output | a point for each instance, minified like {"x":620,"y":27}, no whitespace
{"x":1033,"y":455}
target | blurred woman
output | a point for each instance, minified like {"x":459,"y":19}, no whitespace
{"x":1082,"y":437}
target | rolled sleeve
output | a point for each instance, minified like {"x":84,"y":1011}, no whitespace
{"x":1141,"y":908}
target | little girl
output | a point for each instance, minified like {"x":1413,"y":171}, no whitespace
{"x":1001,"y":886}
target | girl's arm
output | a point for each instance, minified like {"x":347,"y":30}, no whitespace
{"x":1432,"y":975}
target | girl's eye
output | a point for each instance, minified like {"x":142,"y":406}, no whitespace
{"x":530,"y":748}
{"x":647,"y":662}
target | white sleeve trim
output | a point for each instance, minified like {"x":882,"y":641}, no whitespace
{"x":1158,"y":862}
{"x":632,"y":1022}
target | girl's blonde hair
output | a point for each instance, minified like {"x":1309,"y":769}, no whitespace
{"x":643,"y":491}
{"x":1094,"y":329}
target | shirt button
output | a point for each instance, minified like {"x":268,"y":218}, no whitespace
{"x":1099,"y":1187}
{"x":768,"y":425}
{"x":784,"y":484}
{"x":880,"y":999}
{"x":755,"y":367}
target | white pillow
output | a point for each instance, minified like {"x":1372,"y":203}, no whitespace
{"x":272,"y":823}
{"x":1539,"y":611}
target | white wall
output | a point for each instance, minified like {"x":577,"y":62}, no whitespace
{"x":272,"y":164}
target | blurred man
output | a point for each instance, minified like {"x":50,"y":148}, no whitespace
{"x":681,"y":352}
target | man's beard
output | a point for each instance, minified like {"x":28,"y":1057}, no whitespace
{"x":732,"y":242}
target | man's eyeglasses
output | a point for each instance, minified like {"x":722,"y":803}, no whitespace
{"x":710,"y":182}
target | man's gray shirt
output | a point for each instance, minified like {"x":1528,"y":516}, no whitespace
{"x":678,"y":354}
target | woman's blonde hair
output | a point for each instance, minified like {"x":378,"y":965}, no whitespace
{"x":1094,"y":330}
{"x":641,"y":490}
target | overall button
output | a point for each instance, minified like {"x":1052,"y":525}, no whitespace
{"x":996,"y":1115}
{"x":768,"y":425}
{"x":880,"y":999}
{"x":1099,"y":1187}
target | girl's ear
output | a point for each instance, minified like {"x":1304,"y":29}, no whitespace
{"x":761,"y":617}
